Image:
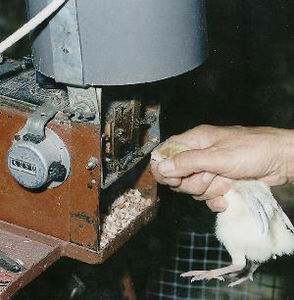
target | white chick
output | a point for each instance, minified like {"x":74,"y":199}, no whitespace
{"x":253,"y":228}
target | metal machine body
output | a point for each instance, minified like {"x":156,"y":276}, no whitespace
{"x":118,"y":42}
{"x":68,"y":220}
{"x":75,"y":158}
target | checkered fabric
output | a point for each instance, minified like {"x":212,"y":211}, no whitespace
{"x":195,"y":251}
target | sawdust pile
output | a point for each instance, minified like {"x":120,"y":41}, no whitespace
{"x":123,"y":211}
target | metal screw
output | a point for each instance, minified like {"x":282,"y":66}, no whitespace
{"x":92,"y":163}
{"x":17,"y":137}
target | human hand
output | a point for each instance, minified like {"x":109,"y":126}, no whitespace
{"x":215,"y":156}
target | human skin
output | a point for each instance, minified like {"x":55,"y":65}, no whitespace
{"x":219,"y":155}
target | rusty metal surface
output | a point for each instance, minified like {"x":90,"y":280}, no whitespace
{"x":83,"y":254}
{"x":64,"y":221}
{"x":69,"y":212}
{"x":35,"y":257}
{"x":38,"y":251}
{"x":91,"y":257}
{"x":129,"y":133}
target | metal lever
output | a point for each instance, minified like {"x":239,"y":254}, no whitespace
{"x":34,"y":129}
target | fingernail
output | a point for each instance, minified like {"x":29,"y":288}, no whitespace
{"x":166,"y":167}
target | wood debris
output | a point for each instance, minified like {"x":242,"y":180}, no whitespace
{"x":123,"y":211}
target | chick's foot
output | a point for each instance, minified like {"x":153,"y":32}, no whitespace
{"x":247,"y":276}
{"x":212,"y":274}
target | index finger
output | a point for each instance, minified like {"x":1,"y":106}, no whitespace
{"x":184,"y":164}
{"x":199,"y":137}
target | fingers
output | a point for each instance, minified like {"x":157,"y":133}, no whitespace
{"x":173,"y":182}
{"x":194,"y":161}
{"x":217,"y":204}
{"x":204,"y":186}
{"x":196,"y":184}
{"x":204,"y":136}
{"x":218,"y":187}
{"x":197,"y":138}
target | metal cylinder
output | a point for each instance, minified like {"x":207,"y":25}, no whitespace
{"x":117,"y":42}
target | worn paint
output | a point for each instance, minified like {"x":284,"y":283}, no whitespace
{"x":53,"y":211}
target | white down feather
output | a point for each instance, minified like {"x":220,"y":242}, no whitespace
{"x":254,"y":223}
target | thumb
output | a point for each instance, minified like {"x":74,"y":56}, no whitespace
{"x":193,"y":161}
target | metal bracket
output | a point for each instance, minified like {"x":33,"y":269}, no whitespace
{"x":34,"y":129}
{"x":85,"y":104}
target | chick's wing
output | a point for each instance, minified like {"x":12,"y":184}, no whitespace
{"x":261,"y":203}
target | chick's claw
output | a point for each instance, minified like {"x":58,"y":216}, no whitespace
{"x":240,"y":280}
{"x":220,"y":278}
{"x":193,"y":273}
